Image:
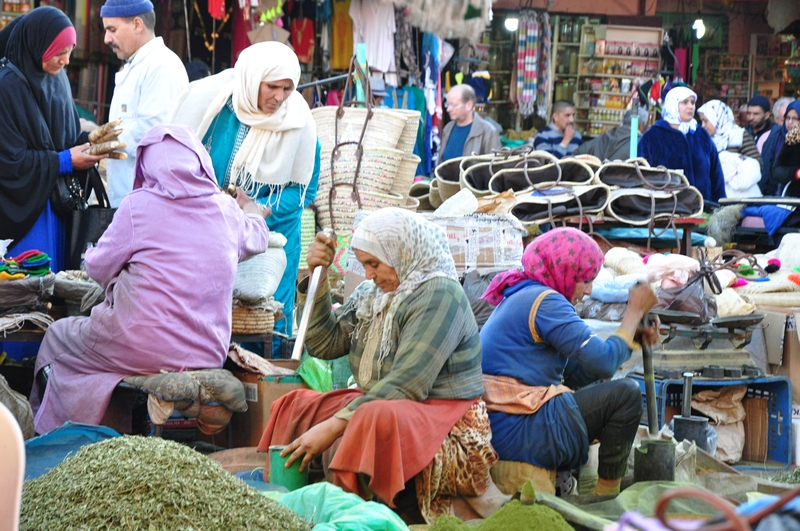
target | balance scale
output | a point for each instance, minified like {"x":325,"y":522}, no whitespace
{"x":715,"y":350}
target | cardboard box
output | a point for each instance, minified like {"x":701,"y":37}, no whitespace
{"x":789,"y":364}
{"x":260,"y":392}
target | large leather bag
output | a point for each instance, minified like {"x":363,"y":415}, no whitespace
{"x":549,"y":205}
{"x":560,"y":172}
{"x":637,"y":173}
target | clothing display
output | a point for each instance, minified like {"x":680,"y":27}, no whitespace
{"x":303,"y":39}
{"x":342,"y":49}
{"x":373,"y":25}
{"x":145,"y":92}
{"x":153,"y":318}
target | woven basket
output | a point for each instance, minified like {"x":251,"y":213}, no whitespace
{"x":421,"y":191}
{"x":408,"y":138}
{"x":308,"y":231}
{"x":412,"y":204}
{"x":448,"y":174}
{"x":247,"y":320}
{"x":571,"y":172}
{"x":383,"y":130}
{"x":377,"y":172}
{"x":634,"y":206}
{"x":405,"y":175}
{"x":785,"y":300}
{"x":345,"y":206}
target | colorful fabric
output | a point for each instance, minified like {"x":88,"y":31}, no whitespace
{"x":342,"y":48}
{"x":509,"y":395}
{"x":268,"y":154}
{"x":669,"y":111}
{"x":62,"y":40}
{"x":559,"y":259}
{"x":153,"y":316}
{"x":390,"y":441}
{"x":460,"y":467}
{"x":418,"y":251}
{"x":303,"y":39}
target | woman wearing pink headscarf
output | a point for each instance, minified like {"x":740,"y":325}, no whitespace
{"x":539,"y":356}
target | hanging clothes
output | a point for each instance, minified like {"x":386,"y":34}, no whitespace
{"x":373,"y":25}
{"x":527,"y":62}
{"x":303,"y":39}
{"x":341,"y":35}
{"x":404,"y":44}
{"x":544,"y":95}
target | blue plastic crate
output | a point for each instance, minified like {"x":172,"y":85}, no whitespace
{"x":776,"y":389}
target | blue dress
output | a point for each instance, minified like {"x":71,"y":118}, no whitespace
{"x":225,"y":136}
{"x":555,"y":436}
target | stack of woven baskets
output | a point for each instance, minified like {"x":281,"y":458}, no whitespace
{"x":367,"y":162}
{"x":254,"y":307}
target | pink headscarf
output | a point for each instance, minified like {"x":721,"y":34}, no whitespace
{"x":559,"y":259}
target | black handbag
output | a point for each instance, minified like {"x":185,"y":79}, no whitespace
{"x":67,"y":195}
{"x":86,"y":226}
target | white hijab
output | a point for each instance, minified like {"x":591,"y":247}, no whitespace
{"x":418,"y":251}
{"x":670,"y":112}
{"x":279,"y":148}
{"x":727,"y":133}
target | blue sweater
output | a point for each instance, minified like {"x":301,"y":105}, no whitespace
{"x":694,"y":153}
{"x":555,"y":436}
{"x":549,"y":139}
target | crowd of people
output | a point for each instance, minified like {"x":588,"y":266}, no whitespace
{"x":436,"y":402}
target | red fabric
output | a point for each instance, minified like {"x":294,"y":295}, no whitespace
{"x":391,"y":441}
{"x":241,"y":26}
{"x":67,"y":37}
{"x":303,"y":39}
{"x":216,"y":8}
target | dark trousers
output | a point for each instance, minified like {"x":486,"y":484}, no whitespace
{"x":612,"y":411}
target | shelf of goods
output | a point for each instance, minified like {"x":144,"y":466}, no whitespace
{"x":726,"y":77}
{"x":567,"y":32}
{"x":13,"y":9}
{"x":770,"y":76}
{"x":496,"y":53}
{"x":612,"y":60}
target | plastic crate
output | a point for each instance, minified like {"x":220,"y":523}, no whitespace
{"x":776,"y":389}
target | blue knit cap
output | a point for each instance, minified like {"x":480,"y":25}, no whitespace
{"x":759,"y":101}
{"x":125,"y":8}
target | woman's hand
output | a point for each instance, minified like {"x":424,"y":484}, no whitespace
{"x":314,"y":442}
{"x":82,"y":161}
{"x":641,"y":299}
{"x":649,"y":335}
{"x":321,"y":251}
{"x":249,"y":206}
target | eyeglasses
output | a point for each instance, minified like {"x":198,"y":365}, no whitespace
{"x":791,"y":119}
{"x":450,"y":105}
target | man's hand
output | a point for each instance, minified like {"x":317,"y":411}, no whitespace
{"x":314,"y":442}
{"x":569,"y":134}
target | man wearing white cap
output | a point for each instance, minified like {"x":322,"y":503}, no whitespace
{"x":147,"y":86}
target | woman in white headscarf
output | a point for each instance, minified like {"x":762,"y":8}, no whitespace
{"x":738,"y":154}
{"x":676,"y":142}
{"x":261,"y":136}
{"x":414,"y":350}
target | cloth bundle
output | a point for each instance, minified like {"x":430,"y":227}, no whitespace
{"x":210,"y":395}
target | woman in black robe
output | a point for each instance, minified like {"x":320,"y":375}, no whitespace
{"x":41,"y":129}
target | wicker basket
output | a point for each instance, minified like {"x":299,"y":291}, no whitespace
{"x":377,"y":172}
{"x":408,"y":138}
{"x":345,"y":207}
{"x":405,"y":175}
{"x":412,"y":204}
{"x":248,"y":320}
{"x":383,"y":130}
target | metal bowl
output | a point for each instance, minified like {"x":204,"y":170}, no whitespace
{"x":738,"y":321}
{"x":675,"y":317}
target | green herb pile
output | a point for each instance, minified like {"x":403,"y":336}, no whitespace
{"x":511,"y":516}
{"x":145,"y":483}
{"x":790,"y":476}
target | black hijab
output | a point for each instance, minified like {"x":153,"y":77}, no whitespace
{"x":27,"y":43}
{"x":39,"y":117}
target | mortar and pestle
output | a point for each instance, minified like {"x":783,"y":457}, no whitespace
{"x":686,"y":425}
{"x":654,"y":460}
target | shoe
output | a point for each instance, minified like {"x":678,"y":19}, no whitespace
{"x":566,"y":484}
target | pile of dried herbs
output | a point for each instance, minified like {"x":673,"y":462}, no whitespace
{"x":514,"y":516}
{"x":151,"y":484}
{"x":790,"y":476}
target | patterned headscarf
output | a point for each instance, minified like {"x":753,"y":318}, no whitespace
{"x":670,"y":112}
{"x":418,"y":251}
{"x":727,"y":133}
{"x":559,"y":259}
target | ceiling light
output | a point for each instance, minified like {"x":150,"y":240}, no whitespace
{"x":512,"y":23}
{"x":699,"y":28}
